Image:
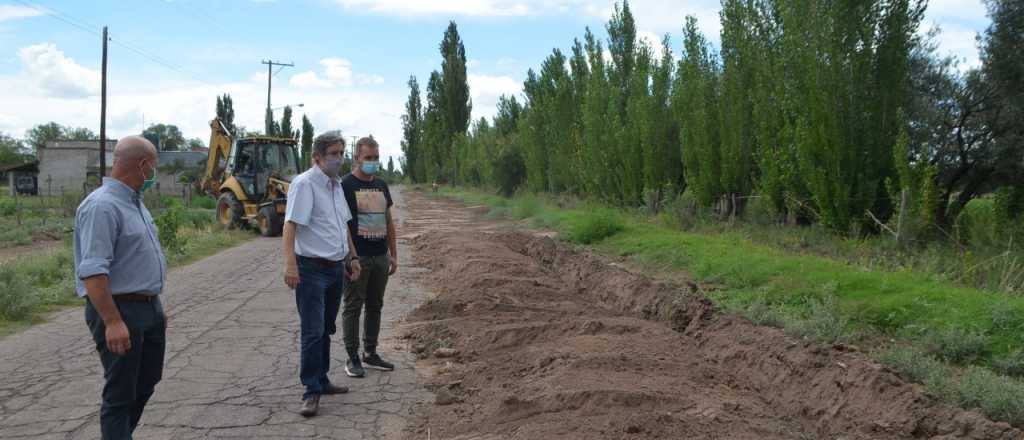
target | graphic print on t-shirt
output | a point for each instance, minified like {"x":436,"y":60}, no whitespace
{"x":372,"y":207}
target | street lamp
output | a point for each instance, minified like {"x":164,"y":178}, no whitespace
{"x":283,"y":106}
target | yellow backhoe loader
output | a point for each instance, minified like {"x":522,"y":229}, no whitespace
{"x":249,"y":177}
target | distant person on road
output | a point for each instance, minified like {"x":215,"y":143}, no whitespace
{"x":317,"y":246}
{"x":373,"y":231}
{"x":119,"y":269}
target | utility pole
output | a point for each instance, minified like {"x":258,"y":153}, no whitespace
{"x":270,"y":74}
{"x":103,"y":109}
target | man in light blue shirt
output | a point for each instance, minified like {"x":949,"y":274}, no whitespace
{"x":316,"y":247}
{"x":120,"y":270}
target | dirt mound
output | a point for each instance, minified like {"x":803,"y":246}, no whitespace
{"x":550,"y":343}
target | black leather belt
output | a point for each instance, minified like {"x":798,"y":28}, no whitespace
{"x":323,"y":262}
{"x":135,"y":297}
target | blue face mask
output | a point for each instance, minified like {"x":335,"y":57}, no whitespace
{"x":371,"y":167}
{"x":148,"y":183}
{"x":333,"y":166}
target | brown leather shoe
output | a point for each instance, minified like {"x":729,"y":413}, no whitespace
{"x":335,"y":389}
{"x":310,"y":406}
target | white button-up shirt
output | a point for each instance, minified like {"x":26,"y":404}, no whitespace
{"x":317,"y":206}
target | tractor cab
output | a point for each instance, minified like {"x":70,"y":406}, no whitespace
{"x":257,"y":162}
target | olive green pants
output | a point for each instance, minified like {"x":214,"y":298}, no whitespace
{"x":368,"y":292}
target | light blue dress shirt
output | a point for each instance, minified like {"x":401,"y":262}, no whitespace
{"x":115,"y":236}
{"x":316,"y":204}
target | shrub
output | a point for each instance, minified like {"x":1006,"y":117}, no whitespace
{"x":593,"y":226}
{"x":823,"y":322}
{"x":1010,"y":364}
{"x":915,"y":366}
{"x":7,"y":207}
{"x":197,"y":218}
{"x":16,"y":300}
{"x":999,"y":397}
{"x":204,"y":202}
{"x":526,"y":206}
{"x":509,"y":172}
{"x":957,"y":345}
{"x":168,"y":223}
{"x":761,"y":312}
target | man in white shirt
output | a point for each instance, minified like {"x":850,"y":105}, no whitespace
{"x":316,"y":251}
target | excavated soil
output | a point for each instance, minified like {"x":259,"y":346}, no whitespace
{"x":538,"y":341}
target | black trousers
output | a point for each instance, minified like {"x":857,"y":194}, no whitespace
{"x":131,"y":377}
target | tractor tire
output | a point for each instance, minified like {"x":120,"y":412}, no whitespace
{"x":269,"y":221}
{"x":230,"y":213}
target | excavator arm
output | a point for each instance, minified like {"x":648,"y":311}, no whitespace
{"x":216,"y":161}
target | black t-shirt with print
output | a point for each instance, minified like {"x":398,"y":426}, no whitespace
{"x":369,"y":203}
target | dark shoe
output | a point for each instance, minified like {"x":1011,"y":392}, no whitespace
{"x":354,"y":368}
{"x":373,"y":360}
{"x":310,"y":406}
{"x":335,"y":389}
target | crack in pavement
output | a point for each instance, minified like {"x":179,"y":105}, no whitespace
{"x":231,"y":369}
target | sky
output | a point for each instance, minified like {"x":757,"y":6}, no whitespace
{"x":169,"y":59}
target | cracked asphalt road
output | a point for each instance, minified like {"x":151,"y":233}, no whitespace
{"x":232,"y":363}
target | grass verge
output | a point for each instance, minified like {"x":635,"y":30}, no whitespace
{"x":32,"y":286}
{"x":959,"y":335}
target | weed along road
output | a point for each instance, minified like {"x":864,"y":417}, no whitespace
{"x":231,"y":363}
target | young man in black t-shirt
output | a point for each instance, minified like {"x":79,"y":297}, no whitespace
{"x":373,"y":231}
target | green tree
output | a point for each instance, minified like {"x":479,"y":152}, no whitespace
{"x":286,"y":124}
{"x":412,"y":132}
{"x":195,"y":144}
{"x":436,"y":152}
{"x":269,"y":125}
{"x":13,"y":151}
{"x":169,"y":136}
{"x":695,"y":104}
{"x":307,"y":142}
{"x":457,"y":105}
{"x":38,"y":136}
{"x":226,"y":112}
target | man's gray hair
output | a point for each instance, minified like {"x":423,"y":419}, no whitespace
{"x":367,"y":141}
{"x":325,"y":140}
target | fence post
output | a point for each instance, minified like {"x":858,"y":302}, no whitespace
{"x":17,"y":209}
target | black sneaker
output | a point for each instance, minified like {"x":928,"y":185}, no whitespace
{"x":374,"y":361}
{"x":354,"y":368}
{"x":310,"y":406}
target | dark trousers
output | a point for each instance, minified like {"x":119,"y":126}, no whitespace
{"x":131,"y":377}
{"x":368,"y":292}
{"x":318,"y":298}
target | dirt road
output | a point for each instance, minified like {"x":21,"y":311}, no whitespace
{"x":557,"y":343}
{"x":548,"y":343}
{"x":232,"y":361}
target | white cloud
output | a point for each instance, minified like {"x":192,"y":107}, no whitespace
{"x":309,"y":80}
{"x":961,"y":10}
{"x":472,"y":64}
{"x":338,"y":70}
{"x":955,"y":40}
{"x":370,"y":80}
{"x":485,"y":90}
{"x":56,"y":74}
{"x":190,"y":106}
{"x":408,"y":8}
{"x":653,"y":40}
{"x":14,"y":12}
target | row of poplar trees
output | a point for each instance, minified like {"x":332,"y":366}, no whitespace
{"x":838,"y":112}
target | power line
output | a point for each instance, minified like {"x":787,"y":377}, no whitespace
{"x":88,"y":27}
